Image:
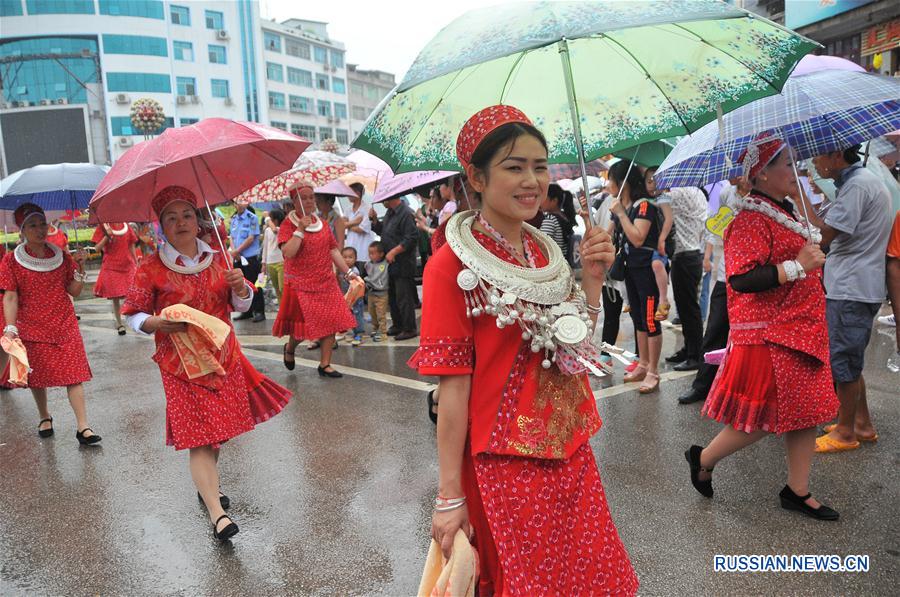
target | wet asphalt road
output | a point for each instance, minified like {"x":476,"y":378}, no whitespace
{"x":333,"y":496}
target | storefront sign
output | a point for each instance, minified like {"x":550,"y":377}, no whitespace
{"x":881,"y":38}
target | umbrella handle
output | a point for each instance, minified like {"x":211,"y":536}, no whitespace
{"x":802,"y":202}
{"x":228,"y":260}
{"x":576,"y":124}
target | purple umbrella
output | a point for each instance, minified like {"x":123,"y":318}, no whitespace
{"x":336,"y":187}
{"x":403,"y":183}
{"x":810,"y":64}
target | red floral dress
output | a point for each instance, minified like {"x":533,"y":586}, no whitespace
{"x":119,"y":263}
{"x":312,"y":306}
{"x":59,"y":238}
{"x":211,"y":409}
{"x":777,"y":374}
{"x":535,"y":500}
{"x":47,"y":324}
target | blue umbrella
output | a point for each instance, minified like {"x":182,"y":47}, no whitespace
{"x":815,"y":113}
{"x":53,"y":187}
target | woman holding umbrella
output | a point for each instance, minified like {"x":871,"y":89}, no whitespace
{"x":776,"y":376}
{"x":505,"y":327}
{"x":312,"y":306}
{"x":203,"y":410}
{"x":117,"y":242}
{"x":37,"y":279}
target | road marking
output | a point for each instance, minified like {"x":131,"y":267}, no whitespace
{"x":395,"y":380}
{"x":628,"y":387}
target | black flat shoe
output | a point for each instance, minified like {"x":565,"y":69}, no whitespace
{"x":688,"y":365}
{"x":691,"y":397}
{"x":432,"y":407}
{"x":288,"y":364}
{"x":792,"y":501}
{"x":678,"y":357}
{"x":692,"y":455}
{"x":392,"y":331}
{"x":223,"y":500}
{"x":227,"y":532}
{"x":89,"y":440}
{"x":333,"y":374}
{"x":243,"y":316}
{"x":45,"y":432}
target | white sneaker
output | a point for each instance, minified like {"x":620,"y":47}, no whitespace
{"x":887,"y":320}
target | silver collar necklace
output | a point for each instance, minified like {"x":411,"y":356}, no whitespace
{"x":39,"y":264}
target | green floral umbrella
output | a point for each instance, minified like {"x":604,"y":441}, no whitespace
{"x":627,"y":72}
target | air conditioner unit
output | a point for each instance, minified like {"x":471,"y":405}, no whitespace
{"x":122,"y":98}
{"x":125,"y":142}
{"x":46,"y":102}
{"x":195,"y":99}
{"x":229,"y":101}
{"x":222,"y":35}
{"x":62,"y":101}
{"x":181,"y":99}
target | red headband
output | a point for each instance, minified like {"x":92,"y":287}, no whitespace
{"x":25,"y":211}
{"x":480,"y":125}
{"x":170,"y":195}
{"x":760,"y":152}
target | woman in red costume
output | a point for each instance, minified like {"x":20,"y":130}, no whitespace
{"x":37,"y":279}
{"x":506,"y":328}
{"x":117,"y":242}
{"x":56,"y":236}
{"x":776,"y":376}
{"x":202,"y":412}
{"x":312,"y":306}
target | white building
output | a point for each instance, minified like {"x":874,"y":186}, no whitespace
{"x":198,"y":58}
{"x":367,"y":89}
{"x":306,"y":80}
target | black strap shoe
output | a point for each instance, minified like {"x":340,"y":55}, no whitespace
{"x":289,"y":363}
{"x":323,"y":372}
{"x":691,"y":397}
{"x":432,"y":407}
{"x":45,"y":432}
{"x":227,"y":532}
{"x":692,"y":455}
{"x":792,"y":501}
{"x":90,"y":440}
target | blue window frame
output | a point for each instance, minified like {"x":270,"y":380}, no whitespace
{"x":215,"y":19}
{"x":148,"y":9}
{"x":10,"y":8}
{"x":298,"y":76}
{"x":60,"y":7}
{"x":338,"y":85}
{"x":220,"y":88}
{"x":217,"y":54}
{"x":134,"y":44}
{"x":342,"y":136}
{"x":186,"y":85}
{"x":147,"y":82}
{"x":324,"y":133}
{"x":187,"y":121}
{"x":276,"y":100}
{"x":272,"y":41}
{"x":46,"y":79}
{"x":279,"y":125}
{"x":323,"y":108}
{"x":121,"y":126}
{"x":300,"y":104}
{"x":337,"y":59}
{"x":320,"y":54}
{"x":274,"y":71}
{"x":180,"y":15}
{"x":340,"y":110}
{"x":183,"y":50}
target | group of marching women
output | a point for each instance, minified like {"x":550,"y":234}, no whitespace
{"x":505,"y":327}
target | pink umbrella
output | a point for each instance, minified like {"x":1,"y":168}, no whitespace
{"x":402,"y":183}
{"x":370,"y":170}
{"x":336,"y":187}
{"x":811,"y":64}
{"x":216,"y":158}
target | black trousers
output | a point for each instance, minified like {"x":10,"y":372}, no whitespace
{"x":612,"y":310}
{"x":251,"y":272}
{"x":402,"y":301}
{"x":716,"y":337}
{"x":687,"y":270}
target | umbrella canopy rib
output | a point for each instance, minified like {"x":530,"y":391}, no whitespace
{"x":650,"y":78}
{"x":510,"y":76}
{"x":433,"y":110}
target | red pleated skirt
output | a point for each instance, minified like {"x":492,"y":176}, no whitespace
{"x":745,"y":394}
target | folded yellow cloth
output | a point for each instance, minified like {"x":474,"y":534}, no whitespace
{"x":18,"y":360}
{"x":456,"y":577}
{"x":198,"y":346}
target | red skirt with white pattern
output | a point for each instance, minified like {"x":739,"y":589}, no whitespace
{"x":112,"y":284}
{"x":305,"y":315}
{"x":542,"y":527}
{"x":55,"y":365}
{"x":772,"y":388}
